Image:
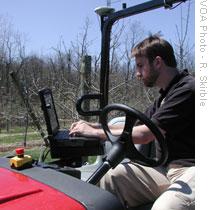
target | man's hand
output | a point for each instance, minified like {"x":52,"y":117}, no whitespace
{"x":83,"y":128}
{"x":94,"y":125}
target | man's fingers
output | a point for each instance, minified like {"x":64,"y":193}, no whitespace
{"x":75,"y":124}
{"x":72,"y":126}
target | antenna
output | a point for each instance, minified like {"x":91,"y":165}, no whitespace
{"x":104,"y":11}
{"x":108,"y":3}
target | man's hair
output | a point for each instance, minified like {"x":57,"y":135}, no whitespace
{"x":155,"y":46}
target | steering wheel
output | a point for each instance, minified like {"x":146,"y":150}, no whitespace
{"x":124,"y":141}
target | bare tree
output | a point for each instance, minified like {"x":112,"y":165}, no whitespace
{"x":184,"y":52}
{"x":11,"y":59}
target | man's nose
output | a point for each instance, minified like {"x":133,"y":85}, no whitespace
{"x":138,"y":75}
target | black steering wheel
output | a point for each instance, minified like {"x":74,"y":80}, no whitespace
{"x":124,"y":141}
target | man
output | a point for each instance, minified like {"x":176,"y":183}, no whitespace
{"x":171,"y":186}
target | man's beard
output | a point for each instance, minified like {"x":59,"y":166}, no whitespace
{"x":151,"y":79}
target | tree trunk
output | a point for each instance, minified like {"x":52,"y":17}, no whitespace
{"x":85,"y":82}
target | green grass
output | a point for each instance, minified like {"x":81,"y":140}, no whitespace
{"x":17,"y":130}
{"x":33,"y":152}
{"x":92,"y":159}
{"x":18,"y":137}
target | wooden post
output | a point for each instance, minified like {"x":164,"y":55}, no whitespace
{"x":85,"y":82}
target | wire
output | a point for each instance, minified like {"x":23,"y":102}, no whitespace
{"x":113,"y":2}
{"x":170,"y":6}
{"x":177,"y":5}
{"x":43,"y":153}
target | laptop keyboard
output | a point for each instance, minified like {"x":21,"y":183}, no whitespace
{"x":62,"y":135}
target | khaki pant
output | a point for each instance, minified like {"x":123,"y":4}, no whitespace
{"x":172,"y":187}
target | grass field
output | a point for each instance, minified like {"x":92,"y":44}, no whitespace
{"x":18,"y":137}
{"x":15,"y":138}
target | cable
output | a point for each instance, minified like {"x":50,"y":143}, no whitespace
{"x":177,"y":5}
{"x":43,"y":153}
{"x":169,"y":6}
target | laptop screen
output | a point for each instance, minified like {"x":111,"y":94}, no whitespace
{"x":48,"y":107}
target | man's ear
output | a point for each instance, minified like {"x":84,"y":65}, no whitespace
{"x":158,"y":62}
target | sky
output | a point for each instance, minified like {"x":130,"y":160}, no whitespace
{"x":44,"y":22}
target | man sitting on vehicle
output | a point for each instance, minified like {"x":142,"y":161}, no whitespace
{"x":171,"y":186}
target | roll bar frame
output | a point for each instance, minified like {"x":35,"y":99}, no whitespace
{"x":107,"y":21}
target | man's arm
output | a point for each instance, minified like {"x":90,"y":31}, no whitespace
{"x":141,"y":134}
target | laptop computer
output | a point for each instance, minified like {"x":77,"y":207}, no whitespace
{"x":62,"y":145}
